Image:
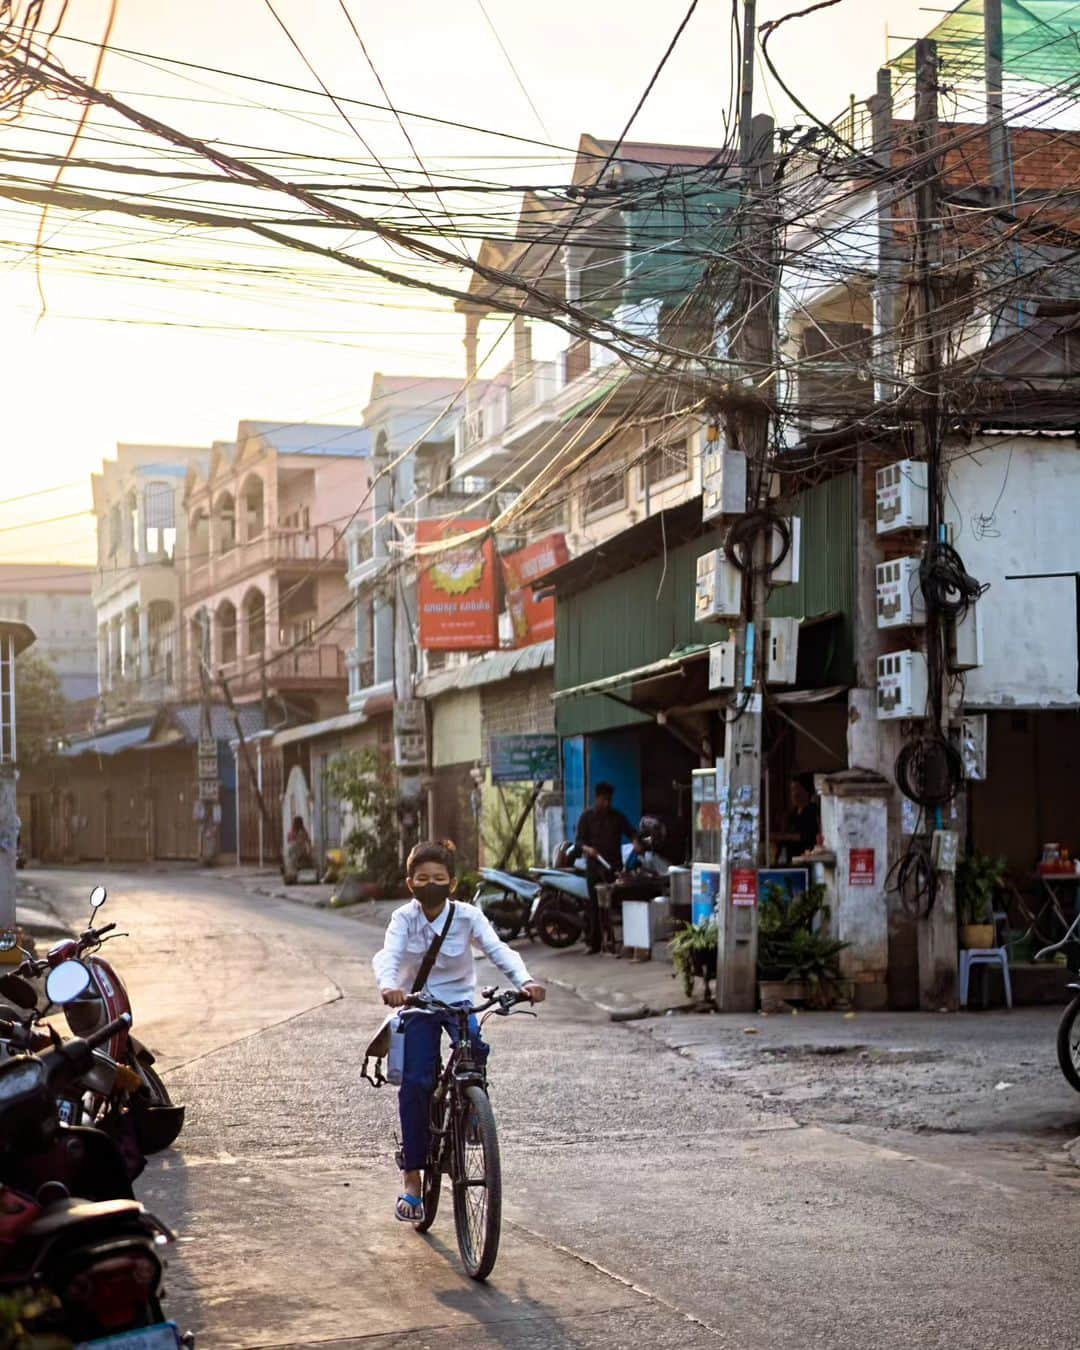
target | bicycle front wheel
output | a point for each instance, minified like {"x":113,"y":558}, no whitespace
{"x":1068,"y":1044}
{"x":477,"y":1184}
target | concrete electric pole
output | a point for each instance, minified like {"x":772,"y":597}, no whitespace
{"x":14,"y":638}
{"x":753,"y":350}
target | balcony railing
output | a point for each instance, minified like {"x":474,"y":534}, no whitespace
{"x":324,"y":663}
{"x":321,"y":546}
{"x":533,"y":389}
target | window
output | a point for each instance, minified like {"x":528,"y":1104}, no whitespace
{"x":159,"y":508}
{"x":664,"y":462}
{"x":547,"y":516}
{"x":605,"y":493}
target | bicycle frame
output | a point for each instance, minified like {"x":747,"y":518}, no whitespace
{"x":1072,"y":935}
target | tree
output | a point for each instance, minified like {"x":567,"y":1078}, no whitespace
{"x":40,"y":708}
{"x":361,"y":782}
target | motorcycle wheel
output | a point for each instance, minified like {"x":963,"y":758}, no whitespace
{"x":557,"y":927}
{"x":1068,"y":1044}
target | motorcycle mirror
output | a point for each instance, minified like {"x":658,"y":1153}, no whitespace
{"x":98,"y":896}
{"x":9,"y":940}
{"x":16,"y":990}
{"x":67,"y":982}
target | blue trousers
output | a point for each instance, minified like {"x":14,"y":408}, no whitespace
{"x":423,"y":1035}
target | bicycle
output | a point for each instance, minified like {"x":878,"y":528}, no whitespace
{"x":1068,"y":1034}
{"x":463,"y":1143}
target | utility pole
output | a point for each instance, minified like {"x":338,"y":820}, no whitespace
{"x":936,"y":929}
{"x":209,"y":796}
{"x":14,"y":638}
{"x":753,"y":349}
{"x":995,"y":102}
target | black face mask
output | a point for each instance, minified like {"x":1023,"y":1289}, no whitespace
{"x":432,"y":893}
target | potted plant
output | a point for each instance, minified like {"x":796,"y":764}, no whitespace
{"x":796,"y":964}
{"x":977,"y":878}
{"x":693,"y":950}
{"x":813,"y":967}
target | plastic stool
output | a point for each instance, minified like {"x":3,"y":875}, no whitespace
{"x":984,"y":956}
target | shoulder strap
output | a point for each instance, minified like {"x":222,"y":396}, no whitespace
{"x":432,"y":952}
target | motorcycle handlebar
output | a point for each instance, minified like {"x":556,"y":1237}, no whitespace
{"x":74,"y":1057}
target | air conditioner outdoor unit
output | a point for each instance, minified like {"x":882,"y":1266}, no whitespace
{"x":965,"y":639}
{"x":723,"y":481}
{"x":901,"y":685}
{"x":901,"y":498}
{"x":722,"y":665}
{"x":900,"y":600}
{"x":782,"y":654}
{"x":718,"y":594}
{"x":787,"y":574}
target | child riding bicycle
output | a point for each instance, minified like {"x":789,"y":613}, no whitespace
{"x":431,"y":921}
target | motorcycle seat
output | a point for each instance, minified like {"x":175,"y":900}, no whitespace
{"x":71,"y":1213}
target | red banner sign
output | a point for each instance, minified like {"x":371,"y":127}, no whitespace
{"x":458,"y":589}
{"x":533,"y":620}
{"x":861,"y":867}
{"x":744,"y":886}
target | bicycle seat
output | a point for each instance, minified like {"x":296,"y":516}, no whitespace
{"x":73,"y":1213}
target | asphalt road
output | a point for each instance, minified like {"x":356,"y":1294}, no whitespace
{"x":649,"y":1201}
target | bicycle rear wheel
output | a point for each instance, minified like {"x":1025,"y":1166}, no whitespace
{"x":477,"y":1184}
{"x":432,"y":1176}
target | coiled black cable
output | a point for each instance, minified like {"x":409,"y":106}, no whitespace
{"x":946,"y":586}
{"x":743,"y":534}
{"x":929,"y":770}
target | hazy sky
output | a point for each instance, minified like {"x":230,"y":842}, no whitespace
{"x":118,"y":359}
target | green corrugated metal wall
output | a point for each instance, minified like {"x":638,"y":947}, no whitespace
{"x":827,"y":570}
{"x":646,"y":613}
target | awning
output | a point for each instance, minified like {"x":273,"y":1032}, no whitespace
{"x":311,"y":730}
{"x":794,"y":697}
{"x":110,"y":743}
{"x":670,"y":665}
{"x":488,"y":669}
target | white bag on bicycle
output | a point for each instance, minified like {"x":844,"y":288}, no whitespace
{"x":395,"y":1055}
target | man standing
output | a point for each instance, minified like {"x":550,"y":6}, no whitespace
{"x":600,"y":833}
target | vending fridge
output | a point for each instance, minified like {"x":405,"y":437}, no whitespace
{"x":709,"y":842}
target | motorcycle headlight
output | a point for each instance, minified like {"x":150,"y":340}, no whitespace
{"x":20,"y":1078}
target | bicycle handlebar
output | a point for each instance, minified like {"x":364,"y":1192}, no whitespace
{"x":507,"y":1000}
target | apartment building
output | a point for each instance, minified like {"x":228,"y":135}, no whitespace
{"x":55,"y":600}
{"x":265,"y":601}
{"x":142,"y":548}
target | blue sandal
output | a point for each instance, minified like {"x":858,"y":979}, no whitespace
{"x":409,"y":1209}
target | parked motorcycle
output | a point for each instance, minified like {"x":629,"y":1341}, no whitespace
{"x":71,"y":1233}
{"x":507,"y":901}
{"x":558,"y":915}
{"x":1068,"y":1033}
{"x":121,"y":1083}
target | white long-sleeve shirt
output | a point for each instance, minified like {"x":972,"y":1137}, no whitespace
{"x":453,"y":977}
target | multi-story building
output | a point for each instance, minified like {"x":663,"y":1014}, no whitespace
{"x":585,"y":437}
{"x":265,"y":603}
{"x":55,"y":600}
{"x":142,"y":543}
